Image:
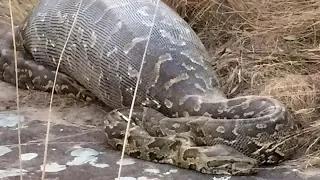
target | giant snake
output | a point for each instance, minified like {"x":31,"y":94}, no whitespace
{"x":180,"y":117}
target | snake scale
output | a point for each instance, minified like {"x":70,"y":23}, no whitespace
{"x":180,"y":116}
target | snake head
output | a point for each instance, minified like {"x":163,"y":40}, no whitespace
{"x":218,"y":159}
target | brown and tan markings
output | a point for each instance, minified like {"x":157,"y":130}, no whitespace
{"x":181,"y":116}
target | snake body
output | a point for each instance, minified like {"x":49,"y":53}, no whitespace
{"x":180,"y":116}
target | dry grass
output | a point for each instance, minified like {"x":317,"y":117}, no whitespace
{"x":271,"y":47}
{"x":20,"y":9}
{"x":266,"y":47}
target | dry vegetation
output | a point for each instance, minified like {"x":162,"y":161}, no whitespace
{"x":20,"y":9}
{"x":266,"y":47}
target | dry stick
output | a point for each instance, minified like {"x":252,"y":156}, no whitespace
{"x":136,"y":89}
{"x":52,"y":92}
{"x":17,"y":87}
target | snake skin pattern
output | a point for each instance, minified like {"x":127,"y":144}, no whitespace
{"x":180,"y":117}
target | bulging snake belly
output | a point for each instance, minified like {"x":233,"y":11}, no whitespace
{"x":180,"y":116}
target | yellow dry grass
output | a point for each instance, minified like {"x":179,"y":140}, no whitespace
{"x":263,"y":47}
